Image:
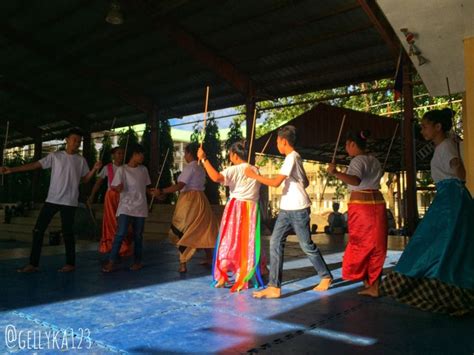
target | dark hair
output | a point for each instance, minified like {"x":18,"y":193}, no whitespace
{"x":113,"y":150}
{"x":359,"y":138}
{"x":288,"y":133}
{"x":74,"y":131}
{"x":192,"y":148}
{"x":136,"y":149}
{"x":335,"y":206}
{"x":239,"y":149}
{"x":444,"y":117}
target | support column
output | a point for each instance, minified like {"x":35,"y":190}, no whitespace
{"x":409,"y":149}
{"x":154,"y":146}
{"x":35,"y":181}
{"x":468,"y":112}
{"x":86,"y":147}
{"x":249,"y":110}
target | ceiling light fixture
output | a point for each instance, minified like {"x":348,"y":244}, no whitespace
{"x":114,"y":16}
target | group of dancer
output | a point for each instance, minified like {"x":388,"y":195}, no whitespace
{"x":435,"y":272}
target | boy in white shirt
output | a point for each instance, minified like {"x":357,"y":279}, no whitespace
{"x":131,"y":181}
{"x":294,"y":213}
{"x":68,"y":170}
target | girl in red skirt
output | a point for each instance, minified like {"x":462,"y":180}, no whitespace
{"x":367,"y":217}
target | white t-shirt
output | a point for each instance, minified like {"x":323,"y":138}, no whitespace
{"x":104,"y":173}
{"x":368,"y":169}
{"x":241,"y":187}
{"x":294,"y":195}
{"x":133,"y":197}
{"x":440,"y":163}
{"x":66,"y":173}
{"x":193,"y":176}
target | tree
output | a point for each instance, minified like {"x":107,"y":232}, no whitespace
{"x":212,"y":147}
{"x":234,"y":135}
{"x":132,"y":137}
{"x":165,"y":142}
{"x":105,"y":150}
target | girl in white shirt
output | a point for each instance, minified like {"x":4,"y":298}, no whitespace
{"x":194,"y":225}
{"x":238,"y":246}
{"x":367,"y":217}
{"x":436,"y":270}
{"x":111,"y":201}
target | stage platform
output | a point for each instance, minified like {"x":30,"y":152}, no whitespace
{"x":158,"y":311}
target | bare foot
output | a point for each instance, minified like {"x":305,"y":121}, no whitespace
{"x":182,"y":267}
{"x":323,"y":285}
{"x":269,"y":292}
{"x":67,"y":268}
{"x":28,"y":269}
{"x":220,"y":283}
{"x":366,"y":284}
{"x":372,"y":291}
{"x":109,"y":267}
{"x":136,"y":267}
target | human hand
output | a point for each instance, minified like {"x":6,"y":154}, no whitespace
{"x":5,"y":170}
{"x":201,"y":154}
{"x":97,"y":165}
{"x":332,"y":170}
{"x":118,"y":188}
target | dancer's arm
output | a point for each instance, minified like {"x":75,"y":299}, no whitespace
{"x":457,"y":165}
{"x":95,"y":189}
{"x":348,"y":179}
{"x":214,"y":175}
{"x":274,"y":182}
{"x":22,"y":168}
{"x":171,"y":189}
{"x":86,"y":178}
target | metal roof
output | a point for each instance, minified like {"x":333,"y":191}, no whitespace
{"x":318,"y":129}
{"x":60,"y":61}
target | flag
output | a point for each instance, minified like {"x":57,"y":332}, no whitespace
{"x":398,"y":86}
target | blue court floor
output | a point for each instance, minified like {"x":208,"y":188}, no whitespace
{"x":159,"y":311}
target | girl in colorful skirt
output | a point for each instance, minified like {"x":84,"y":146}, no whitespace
{"x":194,"y":225}
{"x":111,"y":202}
{"x":237,"y":253}
{"x":367,"y":217}
{"x":436,"y":270}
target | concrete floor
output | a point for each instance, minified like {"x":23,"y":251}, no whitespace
{"x":157,"y":310}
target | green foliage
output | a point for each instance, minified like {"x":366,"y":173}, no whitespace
{"x":131,"y":136}
{"x":165,"y":142}
{"x":212,"y":147}
{"x":105,"y":150}
{"x":234,"y":135}
{"x":18,"y":187}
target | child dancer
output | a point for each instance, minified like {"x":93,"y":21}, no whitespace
{"x":68,"y":170}
{"x":238,"y":246}
{"x":294,"y":213}
{"x":436,"y":270}
{"x":194,"y":225}
{"x":111,"y":201}
{"x":131,"y":181}
{"x":367,"y":218}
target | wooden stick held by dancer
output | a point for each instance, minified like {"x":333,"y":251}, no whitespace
{"x":126,"y":146}
{"x":203,"y":132}
{"x":206,"y":102}
{"x":456,"y":137}
{"x":4,"y":149}
{"x":103,"y":150}
{"x":334,"y":155}
{"x":390,"y":147}
{"x":266,"y":144}
{"x":159,"y":178}
{"x":252,"y":135}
